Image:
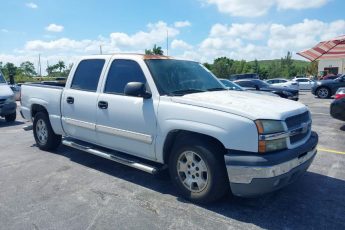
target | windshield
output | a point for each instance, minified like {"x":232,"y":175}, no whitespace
{"x":231,"y":85}
{"x":2,"y":79}
{"x":178,"y":77}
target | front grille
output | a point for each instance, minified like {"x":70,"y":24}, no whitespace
{"x":298,"y":137}
{"x":297,"y":120}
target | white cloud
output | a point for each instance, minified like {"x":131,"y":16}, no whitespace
{"x":243,"y":8}
{"x":298,"y":4}
{"x":62,"y":44}
{"x":249,"y":31}
{"x":180,"y":44}
{"x":68,"y":49}
{"x":54,"y":28}
{"x":142,"y":40}
{"x":263,"y":41}
{"x":181,"y":24}
{"x":251,"y":8}
{"x":31,"y":5}
{"x":4,"y":30}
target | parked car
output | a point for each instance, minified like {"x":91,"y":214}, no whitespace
{"x":327,"y":88}
{"x":259,"y":85}
{"x":8,"y":103}
{"x":329,"y":77}
{"x":16,"y":91}
{"x":233,"y":86}
{"x":283,"y":82}
{"x":155,"y":112}
{"x":304,"y":83}
{"x":337,"y":108}
{"x":244,"y":76}
{"x":340,"y":93}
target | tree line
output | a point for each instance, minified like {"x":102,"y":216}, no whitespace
{"x":26,"y":71}
{"x":286,"y":67}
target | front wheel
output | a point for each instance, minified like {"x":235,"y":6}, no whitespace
{"x":323,"y":92}
{"x":44,"y":135}
{"x":11,"y":117}
{"x":198,"y":171}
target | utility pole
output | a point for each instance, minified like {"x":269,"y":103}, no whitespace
{"x":39,"y":65}
{"x":100,"y":49}
{"x":167,"y":42}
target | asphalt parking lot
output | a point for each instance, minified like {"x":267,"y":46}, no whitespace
{"x":69,"y":189}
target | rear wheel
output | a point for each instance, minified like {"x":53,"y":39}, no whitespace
{"x":11,"y":117}
{"x":323,"y":92}
{"x":44,"y":135}
{"x":198,"y":171}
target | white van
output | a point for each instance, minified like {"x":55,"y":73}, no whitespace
{"x":8,"y":103}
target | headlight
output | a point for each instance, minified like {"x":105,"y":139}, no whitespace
{"x":271,"y":135}
{"x":10,"y":99}
{"x":269,"y":126}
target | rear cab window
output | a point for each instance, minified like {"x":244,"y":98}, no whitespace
{"x":87,"y":75}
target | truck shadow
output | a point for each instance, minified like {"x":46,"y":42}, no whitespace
{"x":313,"y":202}
{"x":3,"y":123}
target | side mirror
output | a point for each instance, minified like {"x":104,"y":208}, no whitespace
{"x":137,"y":89}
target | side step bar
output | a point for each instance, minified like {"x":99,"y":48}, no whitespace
{"x":111,"y":156}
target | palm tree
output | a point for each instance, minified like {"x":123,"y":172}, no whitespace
{"x":156,"y":50}
{"x":61,"y":65}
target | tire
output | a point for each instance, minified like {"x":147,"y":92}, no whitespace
{"x":323,"y":92}
{"x":44,"y":135}
{"x":211,"y":183}
{"x":11,"y":117}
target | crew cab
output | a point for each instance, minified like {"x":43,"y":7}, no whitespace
{"x":156,"y":112}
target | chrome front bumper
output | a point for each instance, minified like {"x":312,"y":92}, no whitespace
{"x":245,"y":174}
{"x":253,"y":174}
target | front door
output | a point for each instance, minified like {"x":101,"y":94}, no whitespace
{"x":79,"y":101}
{"x":126,"y":123}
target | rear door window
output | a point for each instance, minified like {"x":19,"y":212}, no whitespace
{"x":122,"y":72}
{"x":87,"y":75}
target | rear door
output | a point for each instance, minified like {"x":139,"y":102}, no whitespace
{"x":126,"y":123}
{"x":79,"y":100}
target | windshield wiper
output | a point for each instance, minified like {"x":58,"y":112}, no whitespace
{"x":216,"y":89}
{"x":182,"y":92}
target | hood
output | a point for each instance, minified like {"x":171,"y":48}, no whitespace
{"x":5,"y":91}
{"x":245,"y":104}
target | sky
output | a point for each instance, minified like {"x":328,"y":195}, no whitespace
{"x":200,"y":30}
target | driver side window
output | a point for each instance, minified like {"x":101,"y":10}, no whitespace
{"x":122,"y":72}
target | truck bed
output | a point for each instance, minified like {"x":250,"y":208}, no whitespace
{"x":48,"y":96}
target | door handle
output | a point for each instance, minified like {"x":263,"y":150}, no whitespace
{"x":70,"y":100}
{"x":102,"y":104}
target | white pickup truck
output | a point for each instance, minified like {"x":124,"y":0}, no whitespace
{"x":156,"y":112}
